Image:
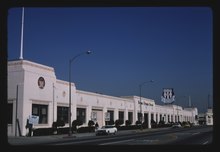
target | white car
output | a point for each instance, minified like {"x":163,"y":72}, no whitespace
{"x":106,"y":130}
{"x":176,"y":125}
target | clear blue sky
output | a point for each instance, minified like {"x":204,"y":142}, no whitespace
{"x":130,"y":45}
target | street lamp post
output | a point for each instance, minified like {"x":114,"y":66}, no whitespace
{"x":140,"y":87}
{"x":70,"y":61}
{"x":177,"y":109}
{"x":178,"y":119}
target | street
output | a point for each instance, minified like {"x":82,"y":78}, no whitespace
{"x":170,"y":136}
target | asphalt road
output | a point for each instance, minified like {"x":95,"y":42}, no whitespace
{"x":170,"y":136}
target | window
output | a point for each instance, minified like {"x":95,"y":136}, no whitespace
{"x":140,"y":116}
{"x":81,"y":114}
{"x":130,"y":117}
{"x":111,"y":115}
{"x":41,"y":111}
{"x":152,"y":117}
{"x":10,"y":113}
{"x":121,"y":116}
{"x":62,"y":113}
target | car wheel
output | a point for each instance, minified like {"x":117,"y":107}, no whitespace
{"x":115,"y":133}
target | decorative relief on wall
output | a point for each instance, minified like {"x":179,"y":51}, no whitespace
{"x":41,"y":82}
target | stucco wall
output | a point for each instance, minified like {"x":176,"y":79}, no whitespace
{"x":25,"y":75}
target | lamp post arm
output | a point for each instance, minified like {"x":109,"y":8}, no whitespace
{"x":87,"y":52}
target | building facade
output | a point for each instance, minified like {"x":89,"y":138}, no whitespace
{"x":206,"y":118}
{"x":33,"y":89}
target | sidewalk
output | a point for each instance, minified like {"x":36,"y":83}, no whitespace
{"x":54,"y":138}
{"x":44,"y":139}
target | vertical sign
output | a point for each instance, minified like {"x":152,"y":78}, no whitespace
{"x":33,"y":119}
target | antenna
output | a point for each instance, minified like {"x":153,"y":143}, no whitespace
{"x":22,"y":27}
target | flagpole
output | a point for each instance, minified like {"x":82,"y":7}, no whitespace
{"x":22,"y":31}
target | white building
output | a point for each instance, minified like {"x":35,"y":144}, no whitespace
{"x":209,"y":117}
{"x":206,"y":118}
{"x":37,"y":91}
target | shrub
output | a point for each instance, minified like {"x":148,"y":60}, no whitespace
{"x":76,"y":123}
{"x":54,"y":127}
{"x":60,"y":123}
{"x":42,"y":132}
{"x":153,"y":124}
{"x":111,"y":122}
{"x":127,"y":123}
{"x":91,"y":123}
{"x":138,"y":122}
{"x":118,"y":122}
{"x":91,"y":126}
{"x":86,"y":129}
{"x":56,"y":124}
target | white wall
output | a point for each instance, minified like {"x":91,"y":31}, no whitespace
{"x":25,"y":74}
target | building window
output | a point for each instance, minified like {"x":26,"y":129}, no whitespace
{"x":62,"y":113}
{"x":41,"y":111}
{"x":130,"y":117}
{"x":121,"y":116}
{"x":140,"y":116}
{"x":81,"y":114}
{"x":10,"y":113}
{"x":152,"y":117}
{"x":111,"y":115}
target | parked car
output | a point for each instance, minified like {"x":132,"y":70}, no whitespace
{"x":176,"y":125}
{"x":106,"y":130}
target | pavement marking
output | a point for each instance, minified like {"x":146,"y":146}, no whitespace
{"x":109,"y":143}
{"x":196,"y":133}
{"x":148,"y":140}
{"x":205,"y":142}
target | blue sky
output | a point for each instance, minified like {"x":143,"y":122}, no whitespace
{"x":171,"y":45}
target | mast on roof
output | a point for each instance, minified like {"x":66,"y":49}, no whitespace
{"x":22,"y":31}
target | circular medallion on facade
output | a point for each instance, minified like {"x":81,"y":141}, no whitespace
{"x":41,"y":82}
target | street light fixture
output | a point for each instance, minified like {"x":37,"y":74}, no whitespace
{"x":140,"y":86}
{"x":70,"y":61}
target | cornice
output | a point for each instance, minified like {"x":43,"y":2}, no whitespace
{"x":29,"y":63}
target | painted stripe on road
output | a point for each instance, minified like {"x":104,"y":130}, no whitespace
{"x":205,"y":142}
{"x":109,"y":143}
{"x":196,"y":133}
